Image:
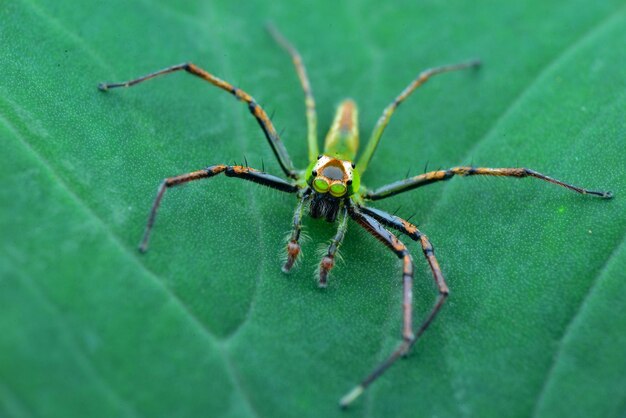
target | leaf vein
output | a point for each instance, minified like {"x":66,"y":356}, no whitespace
{"x":86,"y":362}
{"x":573,"y":321}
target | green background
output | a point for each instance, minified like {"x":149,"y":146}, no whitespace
{"x":206,"y":324}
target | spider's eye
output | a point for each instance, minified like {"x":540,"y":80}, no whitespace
{"x":333,"y":173}
{"x":338,"y":189}
{"x":320,"y":185}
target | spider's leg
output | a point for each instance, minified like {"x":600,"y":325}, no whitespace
{"x":434,"y":176}
{"x":394,"y":244}
{"x":311,"y":115}
{"x":384,"y":118}
{"x":392,"y":221}
{"x":245,"y":173}
{"x":415,"y":234}
{"x":293,"y":246}
{"x":328,"y":261}
{"x":257,"y":111}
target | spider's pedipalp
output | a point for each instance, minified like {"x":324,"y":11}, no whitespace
{"x":328,"y":260}
{"x":293,"y":244}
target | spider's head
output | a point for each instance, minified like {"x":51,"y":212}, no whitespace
{"x":330,"y":175}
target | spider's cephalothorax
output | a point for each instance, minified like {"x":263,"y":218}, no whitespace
{"x":330,"y":186}
{"x":331,"y":181}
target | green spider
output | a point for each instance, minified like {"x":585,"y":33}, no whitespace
{"x":330,"y":187}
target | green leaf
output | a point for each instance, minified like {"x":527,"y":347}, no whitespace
{"x":206,"y":324}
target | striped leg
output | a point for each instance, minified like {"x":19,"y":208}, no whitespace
{"x":311,"y":115}
{"x":415,"y":234}
{"x":434,"y":176}
{"x":379,"y":232}
{"x":293,"y":246}
{"x":384,"y":118}
{"x":257,"y":111}
{"x":245,"y":173}
{"x":328,"y":262}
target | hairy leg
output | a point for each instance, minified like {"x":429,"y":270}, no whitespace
{"x":440,"y":175}
{"x":241,"y":172}
{"x":255,"y":109}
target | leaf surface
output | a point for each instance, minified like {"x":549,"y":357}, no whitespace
{"x":206,"y":324}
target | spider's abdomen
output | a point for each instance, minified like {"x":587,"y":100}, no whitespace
{"x":342,"y":140}
{"x":324,"y":206}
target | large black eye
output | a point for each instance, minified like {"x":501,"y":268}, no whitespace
{"x":333,"y":173}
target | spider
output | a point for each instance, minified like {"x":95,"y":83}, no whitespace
{"x":330,"y":187}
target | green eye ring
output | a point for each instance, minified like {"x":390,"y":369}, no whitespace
{"x":338,"y":189}
{"x":321,"y":185}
